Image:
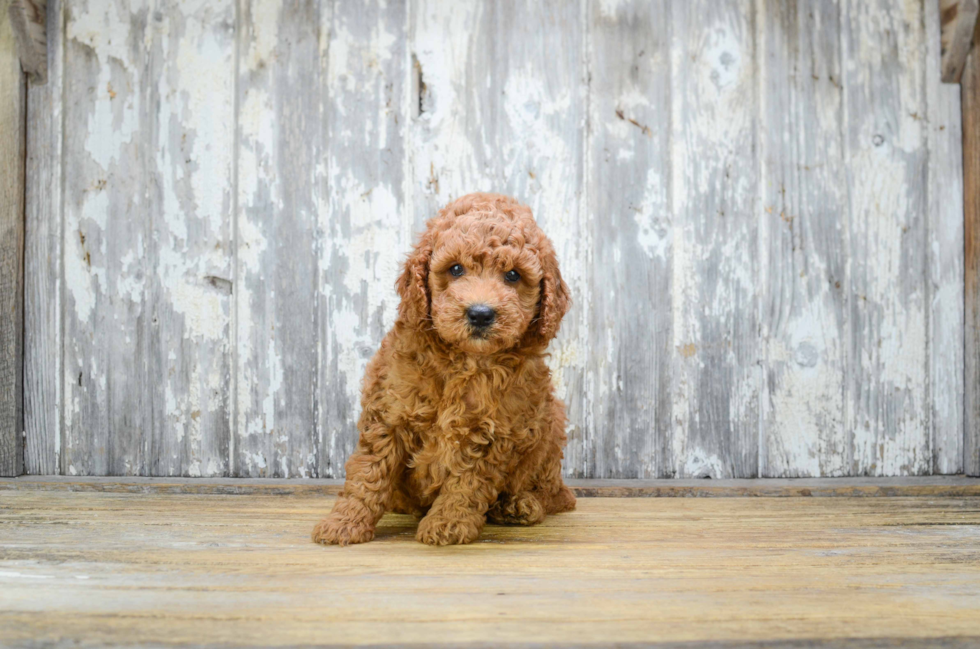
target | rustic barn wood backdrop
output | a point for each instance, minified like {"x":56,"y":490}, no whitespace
{"x":757,"y":204}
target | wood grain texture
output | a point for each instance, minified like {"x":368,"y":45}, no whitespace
{"x":944,"y":224}
{"x":716,"y":374}
{"x":188,"y":570}
{"x":887,"y":291}
{"x":957,"y":20}
{"x":364,"y":221}
{"x":107,"y":217}
{"x":278,"y":150}
{"x":43,"y":277}
{"x":628,"y":181}
{"x":970,"y":101}
{"x":803,"y":253}
{"x":13,"y":125}
{"x":28,"y":18}
{"x":907,"y":487}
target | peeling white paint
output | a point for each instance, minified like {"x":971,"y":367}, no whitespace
{"x":699,"y":465}
{"x":749,"y":297}
{"x":79,"y":280}
{"x":371,"y":257}
{"x":264,"y":25}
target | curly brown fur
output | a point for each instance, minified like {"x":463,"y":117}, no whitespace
{"x":460,"y":424}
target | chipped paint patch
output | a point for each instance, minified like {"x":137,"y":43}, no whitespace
{"x":759,"y":322}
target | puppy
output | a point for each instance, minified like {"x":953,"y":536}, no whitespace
{"x":460,"y":422}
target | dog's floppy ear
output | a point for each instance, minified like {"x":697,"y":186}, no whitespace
{"x":413,"y":284}
{"x":553,"y":303}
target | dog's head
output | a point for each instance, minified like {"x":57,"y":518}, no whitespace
{"x":484,"y":277}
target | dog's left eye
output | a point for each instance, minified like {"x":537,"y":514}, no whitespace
{"x":512,"y":276}
{"x":456,"y":270}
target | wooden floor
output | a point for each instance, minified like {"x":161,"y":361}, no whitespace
{"x":173,"y":569}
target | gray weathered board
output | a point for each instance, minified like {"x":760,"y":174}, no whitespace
{"x":12,"y":152}
{"x":757,"y":205}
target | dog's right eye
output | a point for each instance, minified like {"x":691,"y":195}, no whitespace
{"x":456,"y":270}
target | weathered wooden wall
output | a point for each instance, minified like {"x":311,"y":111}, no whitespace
{"x":757,"y":204}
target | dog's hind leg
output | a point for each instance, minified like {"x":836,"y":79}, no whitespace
{"x":537,"y":486}
{"x":562,"y":501}
{"x":557,"y":497}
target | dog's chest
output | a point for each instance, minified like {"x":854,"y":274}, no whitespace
{"x":480,"y":413}
{"x":466,"y":405}
{"x":477,"y":395}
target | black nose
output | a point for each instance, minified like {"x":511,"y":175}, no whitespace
{"x":480,"y":315}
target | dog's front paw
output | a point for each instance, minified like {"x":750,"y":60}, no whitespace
{"x":436,"y":530}
{"x":335,"y":530}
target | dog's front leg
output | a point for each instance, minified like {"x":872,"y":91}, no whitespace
{"x":367,"y":491}
{"x":459,"y":512}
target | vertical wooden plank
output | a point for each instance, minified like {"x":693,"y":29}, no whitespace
{"x":802,"y":260}
{"x":277,"y":269}
{"x":715,"y":277}
{"x":361,"y":187}
{"x":188,"y":143}
{"x":503,"y":109}
{"x":629,"y":205}
{"x":147,"y":259}
{"x":451,"y":47}
{"x":42,"y":268}
{"x":970,"y":102}
{"x":945,"y":257}
{"x":13,"y":126}
{"x":883,"y":48}
{"x":105,"y":239}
